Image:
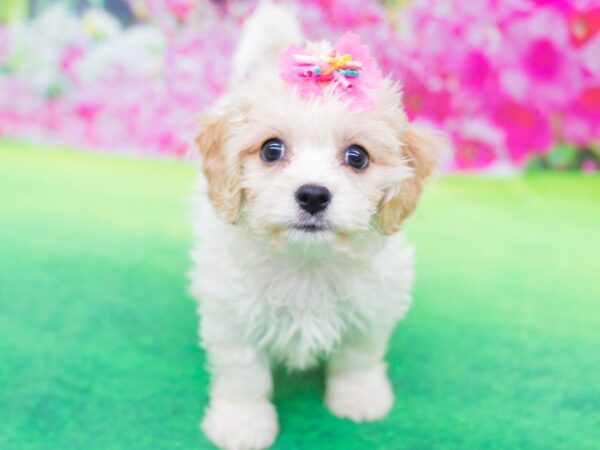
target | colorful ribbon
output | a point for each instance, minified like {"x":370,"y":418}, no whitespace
{"x":348,"y":66}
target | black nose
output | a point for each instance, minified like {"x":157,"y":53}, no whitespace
{"x":313,"y":198}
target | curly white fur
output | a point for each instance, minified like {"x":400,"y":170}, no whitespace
{"x":269,"y":293}
{"x":295,"y":306}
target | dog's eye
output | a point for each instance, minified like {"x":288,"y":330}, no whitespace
{"x":272,"y":150}
{"x":357,"y":157}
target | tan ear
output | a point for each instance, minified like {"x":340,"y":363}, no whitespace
{"x":222,"y":170}
{"x":420,"y":150}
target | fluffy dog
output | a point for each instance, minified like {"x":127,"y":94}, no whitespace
{"x":298,"y":259}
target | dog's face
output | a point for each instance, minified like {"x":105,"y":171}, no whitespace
{"x":313,"y":169}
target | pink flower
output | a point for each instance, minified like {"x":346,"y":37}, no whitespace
{"x":580,"y":122}
{"x":526,"y":129}
{"x":537,"y":66}
{"x":422,"y":102}
{"x":476,"y":70}
{"x":347,"y":14}
{"x":589,"y":166}
{"x":472,"y":153}
{"x":478,"y":142}
{"x":69,"y":58}
{"x":583,"y":25}
{"x":180,"y":8}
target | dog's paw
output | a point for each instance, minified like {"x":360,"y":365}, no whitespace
{"x":361,"y":395}
{"x":240,"y":425}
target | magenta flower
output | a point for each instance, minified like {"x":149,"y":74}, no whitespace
{"x":580,"y":123}
{"x":68,"y":60}
{"x":538,"y":67}
{"x":180,"y":8}
{"x":526,"y":129}
{"x":477,"y":143}
{"x":583,"y":24}
{"x":589,"y":166}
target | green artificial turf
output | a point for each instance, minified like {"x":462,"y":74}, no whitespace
{"x":98,"y":346}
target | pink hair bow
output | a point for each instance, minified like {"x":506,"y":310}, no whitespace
{"x":349,"y":66}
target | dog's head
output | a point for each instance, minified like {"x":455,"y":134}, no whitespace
{"x":303,"y":168}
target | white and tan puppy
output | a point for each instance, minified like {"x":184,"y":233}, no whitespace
{"x":298,"y":260}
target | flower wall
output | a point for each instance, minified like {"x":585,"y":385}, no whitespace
{"x":506,"y":79}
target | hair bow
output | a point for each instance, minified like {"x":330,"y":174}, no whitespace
{"x":349,"y":67}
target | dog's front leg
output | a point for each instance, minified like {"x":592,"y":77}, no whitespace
{"x":240,"y":415}
{"x":357,"y":385}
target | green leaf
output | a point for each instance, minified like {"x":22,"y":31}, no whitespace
{"x":562,"y":156}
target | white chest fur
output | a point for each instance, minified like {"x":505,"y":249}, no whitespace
{"x":296,"y":308}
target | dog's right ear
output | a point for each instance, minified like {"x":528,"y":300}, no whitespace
{"x":221,"y":168}
{"x":420,"y":148}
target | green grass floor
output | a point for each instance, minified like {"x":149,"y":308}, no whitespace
{"x":98,"y":346}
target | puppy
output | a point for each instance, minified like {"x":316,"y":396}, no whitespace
{"x":298,"y":259}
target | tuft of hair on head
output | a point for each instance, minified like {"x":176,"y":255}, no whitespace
{"x":420,"y":147}
{"x":266,"y":33}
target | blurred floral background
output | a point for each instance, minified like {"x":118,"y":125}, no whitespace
{"x":97,"y":334}
{"x":515,"y":83}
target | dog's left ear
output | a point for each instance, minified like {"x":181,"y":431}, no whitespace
{"x":221,"y":167}
{"x":420,"y":148}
